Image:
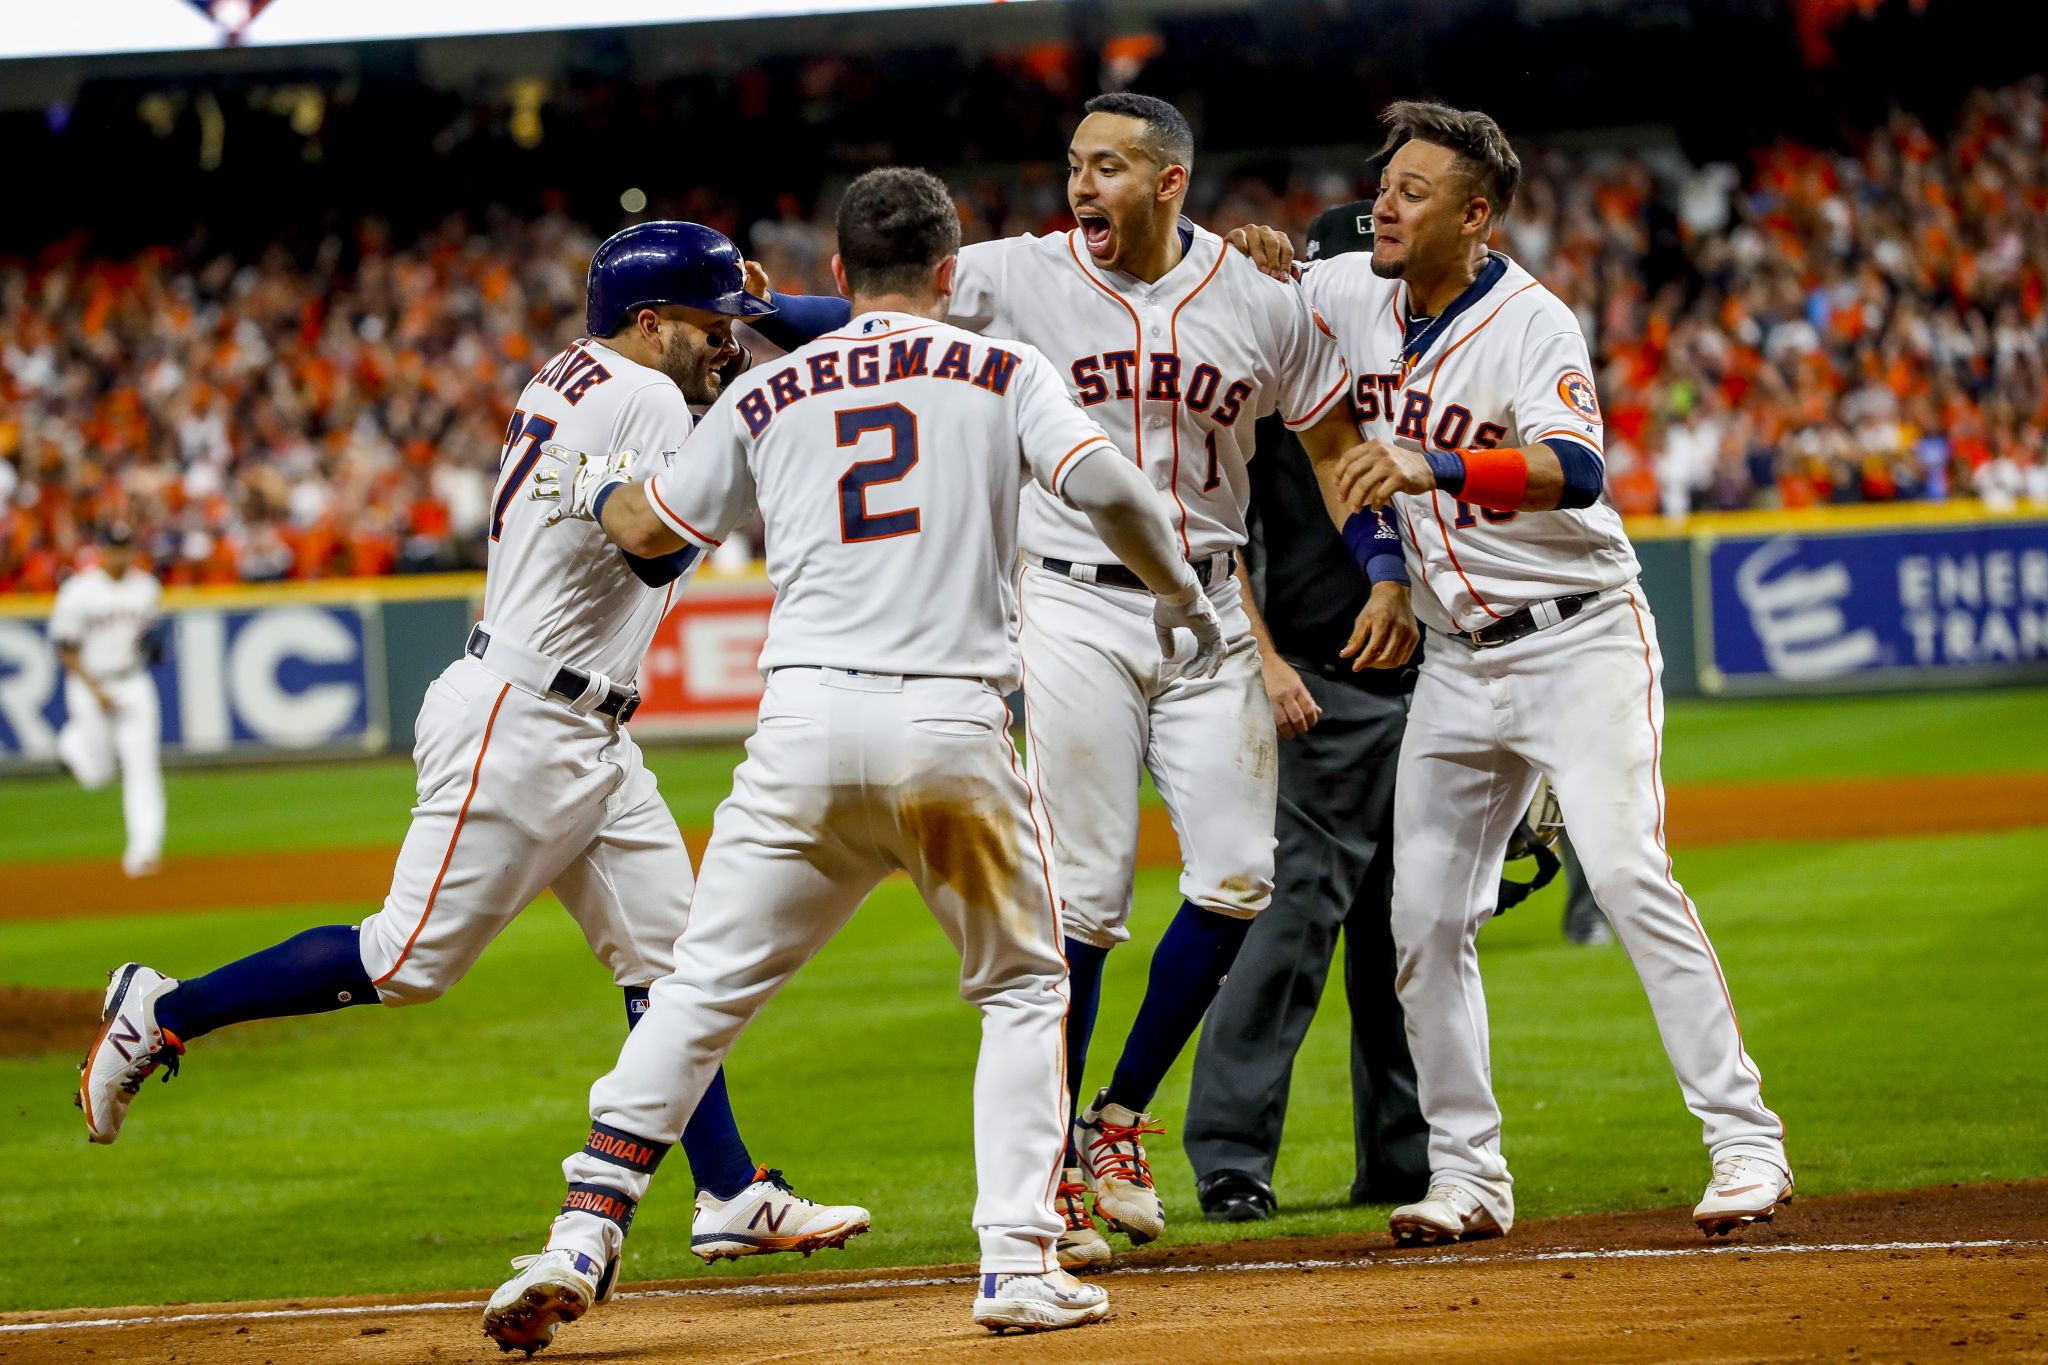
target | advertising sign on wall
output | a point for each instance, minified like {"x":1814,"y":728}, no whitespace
{"x":289,"y":676}
{"x":1933,"y":604}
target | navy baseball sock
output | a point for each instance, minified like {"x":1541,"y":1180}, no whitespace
{"x":718,"y":1156}
{"x":1084,"y":994}
{"x":1187,"y":969}
{"x":719,"y":1161}
{"x":309,"y":973}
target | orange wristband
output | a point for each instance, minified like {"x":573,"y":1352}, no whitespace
{"x":1496,"y":479}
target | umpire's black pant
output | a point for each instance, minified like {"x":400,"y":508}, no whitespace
{"x":1334,"y":871}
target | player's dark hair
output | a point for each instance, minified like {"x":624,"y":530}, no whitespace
{"x":1167,"y":135}
{"x":895,"y":223}
{"x":1482,"y":148}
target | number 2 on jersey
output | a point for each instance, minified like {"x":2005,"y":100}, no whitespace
{"x":537,"y":431}
{"x":856,"y":523}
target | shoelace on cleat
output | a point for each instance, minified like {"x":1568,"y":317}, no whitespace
{"x":1129,"y":1166}
{"x":164,"y":1058}
{"x":1072,"y":1199}
{"x":764,"y":1175}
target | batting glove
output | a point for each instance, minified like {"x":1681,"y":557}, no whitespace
{"x":591,"y":476}
{"x":1192,"y":611}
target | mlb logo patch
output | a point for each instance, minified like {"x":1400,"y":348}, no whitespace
{"x":1577,"y":392}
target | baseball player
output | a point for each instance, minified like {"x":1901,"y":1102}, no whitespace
{"x":886,"y":461}
{"x":102,"y":627}
{"x":1475,"y":390}
{"x":527,"y":776}
{"x":1177,"y":346}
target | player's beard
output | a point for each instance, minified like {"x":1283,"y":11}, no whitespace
{"x":1389,"y":270}
{"x":689,"y":364}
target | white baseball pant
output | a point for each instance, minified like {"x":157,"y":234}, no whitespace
{"x":93,"y":742}
{"x":848,"y":778}
{"x":519,"y":792}
{"x":1583,"y":702}
{"x":1101,"y":708}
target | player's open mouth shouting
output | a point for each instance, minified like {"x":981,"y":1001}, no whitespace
{"x":1096,"y":232}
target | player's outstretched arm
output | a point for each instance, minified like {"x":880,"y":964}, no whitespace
{"x":596,"y":488}
{"x":628,"y":517}
{"x":1339,"y":460}
{"x":1124,"y":508}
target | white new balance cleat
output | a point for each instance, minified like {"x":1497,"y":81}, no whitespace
{"x":1743,"y":1190}
{"x":1448,"y":1213}
{"x":1110,"y":1139}
{"x":550,"y":1289}
{"x":128,"y":1051}
{"x":1082,"y":1245}
{"x":767,"y":1217}
{"x":1038,"y":1303}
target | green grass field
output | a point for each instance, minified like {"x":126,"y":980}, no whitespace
{"x":1890,"y":991}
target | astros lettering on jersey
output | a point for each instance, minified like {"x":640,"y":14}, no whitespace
{"x":1505,"y":365}
{"x":1177,"y":371}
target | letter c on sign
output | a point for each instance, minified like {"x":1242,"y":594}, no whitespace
{"x":293,"y":720}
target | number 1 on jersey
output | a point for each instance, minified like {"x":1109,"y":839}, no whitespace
{"x":537,"y":431}
{"x":856,"y":523}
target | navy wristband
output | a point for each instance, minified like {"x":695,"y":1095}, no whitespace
{"x":1389,"y":566}
{"x":1447,"y":467}
{"x":604,"y":496}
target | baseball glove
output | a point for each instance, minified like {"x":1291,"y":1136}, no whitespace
{"x":1537,"y":836}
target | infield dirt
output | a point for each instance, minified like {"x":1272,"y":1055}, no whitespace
{"x":1952,"y":1271}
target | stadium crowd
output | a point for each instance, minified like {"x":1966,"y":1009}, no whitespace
{"x":1820,"y":328}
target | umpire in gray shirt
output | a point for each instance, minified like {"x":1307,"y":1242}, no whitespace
{"x":1339,"y":672}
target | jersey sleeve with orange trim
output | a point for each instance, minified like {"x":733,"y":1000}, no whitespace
{"x":708,"y":488}
{"x":1312,"y":372}
{"x":976,"y":302}
{"x":1555,"y":398}
{"x":1052,"y":430}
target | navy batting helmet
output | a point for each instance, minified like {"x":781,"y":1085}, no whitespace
{"x":649,"y":264}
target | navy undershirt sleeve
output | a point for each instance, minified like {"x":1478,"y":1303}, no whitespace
{"x":800,"y":319}
{"x":1583,"y":473}
{"x":662,"y":570}
{"x":1375,"y":543}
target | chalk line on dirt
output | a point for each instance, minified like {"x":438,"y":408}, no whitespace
{"x":933,"y":1281}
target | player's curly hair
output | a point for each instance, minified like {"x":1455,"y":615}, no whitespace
{"x":1167,"y":134}
{"x":1484,"y":153}
{"x":895,"y":223}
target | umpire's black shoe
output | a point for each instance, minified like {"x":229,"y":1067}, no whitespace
{"x":1234,"y":1197}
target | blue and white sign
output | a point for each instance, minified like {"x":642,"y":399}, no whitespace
{"x":272,"y":677}
{"x":1863,"y":607}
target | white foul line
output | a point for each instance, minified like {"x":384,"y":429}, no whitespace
{"x":927,"y":1282}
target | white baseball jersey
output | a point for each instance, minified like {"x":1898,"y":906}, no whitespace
{"x":1506,"y":365}
{"x":1177,"y":371}
{"x":561,"y":590}
{"x":106,"y":617}
{"x":886,"y":460}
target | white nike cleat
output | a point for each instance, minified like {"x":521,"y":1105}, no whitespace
{"x":767,"y":1217}
{"x":1743,"y":1190}
{"x":1038,"y":1303}
{"x":1448,"y":1213}
{"x":128,"y":1051}
{"x":1082,"y":1245}
{"x":1111,"y":1141}
{"x":550,"y":1289}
